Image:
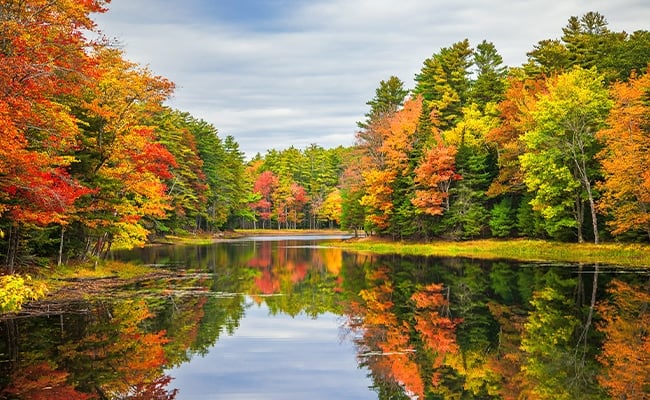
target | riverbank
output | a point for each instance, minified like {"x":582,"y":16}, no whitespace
{"x":629,"y":255}
{"x":56,"y":282}
{"x":200,"y":239}
{"x":57,"y":285}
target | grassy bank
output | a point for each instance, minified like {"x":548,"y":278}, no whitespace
{"x":69,"y":282}
{"x":523,"y":250}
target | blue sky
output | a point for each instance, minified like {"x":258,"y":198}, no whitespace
{"x":280,"y":73}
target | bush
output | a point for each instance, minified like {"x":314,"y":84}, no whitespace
{"x":16,"y":290}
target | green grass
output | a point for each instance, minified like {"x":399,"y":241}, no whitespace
{"x":523,"y":250}
{"x":104,"y":269}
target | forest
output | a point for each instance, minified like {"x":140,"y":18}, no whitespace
{"x":92,"y":158}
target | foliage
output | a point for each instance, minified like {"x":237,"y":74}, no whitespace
{"x":559,"y":166}
{"x":502,"y":219}
{"x":15,"y":290}
{"x":626,"y":158}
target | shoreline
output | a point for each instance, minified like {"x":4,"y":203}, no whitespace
{"x":525,"y":250}
{"x":76,"y":282}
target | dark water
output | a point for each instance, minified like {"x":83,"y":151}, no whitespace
{"x":280,"y":318}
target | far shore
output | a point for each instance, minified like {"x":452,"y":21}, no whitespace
{"x":619,"y":254}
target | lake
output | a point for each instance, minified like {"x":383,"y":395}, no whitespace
{"x":297,"y":318}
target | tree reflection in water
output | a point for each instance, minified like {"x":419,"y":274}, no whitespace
{"x":423,"y":328}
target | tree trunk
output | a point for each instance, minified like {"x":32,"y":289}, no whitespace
{"x":60,"y":260}
{"x":592,"y":205}
{"x":12,"y":248}
{"x":579,"y":217}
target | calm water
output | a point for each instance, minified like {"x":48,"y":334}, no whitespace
{"x":287,"y":318}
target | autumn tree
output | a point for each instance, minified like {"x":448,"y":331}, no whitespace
{"x":104,"y":346}
{"x":265,"y":186}
{"x":331,"y":210}
{"x":384,"y":343}
{"x":434,"y":324}
{"x":515,"y":118}
{"x":559,"y":165}
{"x":43,"y":63}
{"x":383,"y":181}
{"x":626,"y":158}
{"x":433,"y":178}
{"x":120,"y":156}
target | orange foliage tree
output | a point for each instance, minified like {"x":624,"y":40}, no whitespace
{"x":42,"y":382}
{"x":405,"y":349}
{"x":265,"y":186}
{"x":395,"y":137}
{"x":119,"y":152}
{"x":385,"y":345}
{"x":435,"y":325}
{"x":43,"y":63}
{"x":515,"y":112}
{"x":433,"y":178}
{"x":626,"y":157}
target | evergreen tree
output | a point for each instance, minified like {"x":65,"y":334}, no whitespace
{"x":211,"y":151}
{"x":389,"y":97}
{"x":489,"y":85}
{"x":468,"y":215}
{"x":444,"y":82}
{"x":236,"y":190}
{"x":502,"y":221}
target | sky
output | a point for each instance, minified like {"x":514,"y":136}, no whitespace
{"x":281,"y":73}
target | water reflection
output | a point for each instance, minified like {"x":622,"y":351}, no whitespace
{"x":276,"y":357}
{"x":419,"y":328}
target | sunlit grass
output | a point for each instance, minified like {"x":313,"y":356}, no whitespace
{"x":187,"y":239}
{"x":103,"y":269}
{"x":523,"y":250}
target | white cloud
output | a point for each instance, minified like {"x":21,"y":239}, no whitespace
{"x":303,"y":73}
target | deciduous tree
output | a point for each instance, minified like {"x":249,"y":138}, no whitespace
{"x":562,"y":145}
{"x":626,"y":158}
{"x":122,"y":159}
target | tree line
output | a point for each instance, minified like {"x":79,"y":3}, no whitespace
{"x":556,"y":148}
{"x":92,"y":158}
